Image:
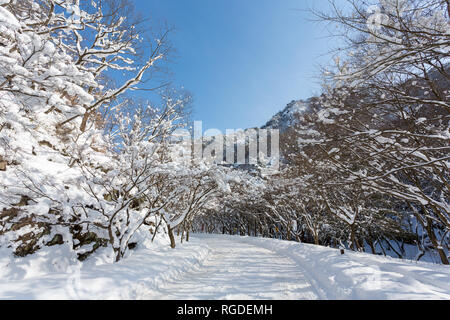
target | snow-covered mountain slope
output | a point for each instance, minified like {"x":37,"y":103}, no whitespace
{"x":287,"y":117}
{"x":224,"y":267}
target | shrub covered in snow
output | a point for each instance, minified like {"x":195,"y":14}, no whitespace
{"x":77,"y":166}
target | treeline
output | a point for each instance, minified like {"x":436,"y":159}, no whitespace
{"x":367,"y":165}
{"x":83,"y":162}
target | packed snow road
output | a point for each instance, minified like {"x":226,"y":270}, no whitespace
{"x":238,"y":270}
{"x":220,"y":267}
{"x":257,"y":268}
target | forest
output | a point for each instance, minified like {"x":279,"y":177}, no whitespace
{"x":85,"y":162}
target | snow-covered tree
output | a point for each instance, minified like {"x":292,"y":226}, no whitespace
{"x":387,"y":100}
{"x":64,"y":178}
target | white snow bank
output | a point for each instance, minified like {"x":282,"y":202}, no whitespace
{"x":143,"y":271}
{"x":361,"y":275}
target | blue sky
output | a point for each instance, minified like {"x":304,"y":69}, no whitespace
{"x":242,"y":60}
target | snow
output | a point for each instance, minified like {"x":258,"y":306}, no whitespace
{"x":289,"y":116}
{"x":8,"y":19}
{"x":221,"y":267}
{"x":41,"y":277}
{"x":236,"y":270}
{"x":364,"y":276}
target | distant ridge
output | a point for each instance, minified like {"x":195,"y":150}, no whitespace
{"x":288,"y":116}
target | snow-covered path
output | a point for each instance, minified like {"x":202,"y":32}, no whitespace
{"x":222,"y":267}
{"x":237,"y":270}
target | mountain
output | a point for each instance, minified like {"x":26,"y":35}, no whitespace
{"x":287,"y":117}
{"x":416,"y":88}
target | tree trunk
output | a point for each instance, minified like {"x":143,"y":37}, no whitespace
{"x":118,"y":256}
{"x":171,"y":237}
{"x":435,"y":243}
{"x":316,"y":239}
{"x":352,"y":237}
{"x":372,"y":247}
